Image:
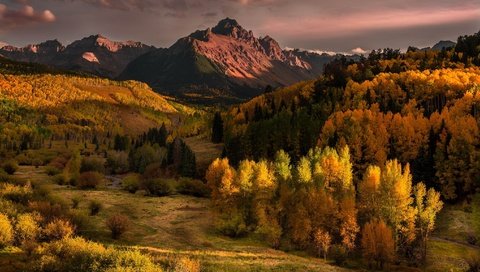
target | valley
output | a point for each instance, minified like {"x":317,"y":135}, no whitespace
{"x":227,"y":150}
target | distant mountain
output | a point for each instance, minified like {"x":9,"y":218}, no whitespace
{"x":95,"y":54}
{"x":444,"y":45}
{"x":226,"y":57}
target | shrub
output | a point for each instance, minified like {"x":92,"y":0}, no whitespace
{"x":10,"y":167}
{"x":131,"y":183}
{"x":77,"y":254}
{"x":57,"y":230}
{"x":159,"y":187}
{"x":95,"y":207}
{"x":193,"y":187}
{"x":187,"y":265}
{"x":473,"y":262}
{"x":232,"y":225}
{"x":92,"y":165}
{"x":52,"y":170}
{"x":37,"y":162}
{"x":118,"y":224}
{"x":472,"y":239}
{"x":26,"y":228}
{"x":8,"y":207}
{"x":338,"y":253}
{"x":6,"y":231}
{"x":15,"y":193}
{"x":76,"y":201}
{"x":118,"y":161}
{"x":89,"y":180}
{"x":47,"y":210}
{"x":60,"y":179}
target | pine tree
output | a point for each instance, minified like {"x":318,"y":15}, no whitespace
{"x":217,"y":129}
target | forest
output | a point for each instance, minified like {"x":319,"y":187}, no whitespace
{"x":374,"y":165}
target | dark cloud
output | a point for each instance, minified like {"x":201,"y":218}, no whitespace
{"x":25,"y":15}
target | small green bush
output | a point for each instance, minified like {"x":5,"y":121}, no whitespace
{"x":131,"y":183}
{"x":10,"y":167}
{"x":95,"y":207}
{"x":89,"y":180}
{"x":6,"y":231}
{"x":159,"y":187}
{"x":192,"y":187}
{"x":118,"y":224}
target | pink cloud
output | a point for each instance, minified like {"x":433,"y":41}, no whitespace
{"x":342,"y":25}
{"x":26,"y":15}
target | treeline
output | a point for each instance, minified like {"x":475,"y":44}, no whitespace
{"x":420,"y":107}
{"x":315,"y":205}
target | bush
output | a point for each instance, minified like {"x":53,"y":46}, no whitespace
{"x":10,"y":167}
{"x":76,"y":201}
{"x":8,"y":207}
{"x":60,"y":179}
{"x":92,"y":165}
{"x":118,"y":225}
{"x":117,"y":161}
{"x":77,"y":254}
{"x":26,"y":228}
{"x":159,"y":187}
{"x":57,"y":230}
{"x":131,"y":183}
{"x":95,"y":207}
{"x":232,"y":225}
{"x":15,"y":193}
{"x":89,"y":180}
{"x":193,"y":187}
{"x":6,"y":231}
{"x":473,"y":262}
{"x":187,"y":265}
{"x":47,"y":210}
{"x":338,"y":253}
{"x":37,"y":162}
{"x":472,"y":239}
{"x":52,"y":170}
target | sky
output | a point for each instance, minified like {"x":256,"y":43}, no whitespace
{"x":335,"y":25}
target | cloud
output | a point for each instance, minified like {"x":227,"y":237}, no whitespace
{"x":10,"y":18}
{"x":359,"y":51}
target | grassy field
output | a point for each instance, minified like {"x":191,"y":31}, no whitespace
{"x":174,"y":226}
{"x":183,"y":226}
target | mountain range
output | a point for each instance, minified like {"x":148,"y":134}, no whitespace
{"x":223,"y":63}
{"x":94,"y":54}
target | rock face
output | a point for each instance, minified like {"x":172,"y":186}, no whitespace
{"x":225,"y":57}
{"x":95,"y":54}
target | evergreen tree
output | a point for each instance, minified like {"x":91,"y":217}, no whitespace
{"x":217,"y":129}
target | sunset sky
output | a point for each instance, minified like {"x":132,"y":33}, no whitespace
{"x":340,"y":25}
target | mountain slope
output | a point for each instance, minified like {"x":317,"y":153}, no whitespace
{"x":94,"y":54}
{"x":225,"y":57}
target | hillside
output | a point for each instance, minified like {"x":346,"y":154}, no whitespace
{"x":78,"y":105}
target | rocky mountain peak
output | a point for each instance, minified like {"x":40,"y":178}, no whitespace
{"x":230,"y":27}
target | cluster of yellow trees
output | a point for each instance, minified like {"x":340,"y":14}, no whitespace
{"x":316,"y":204}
